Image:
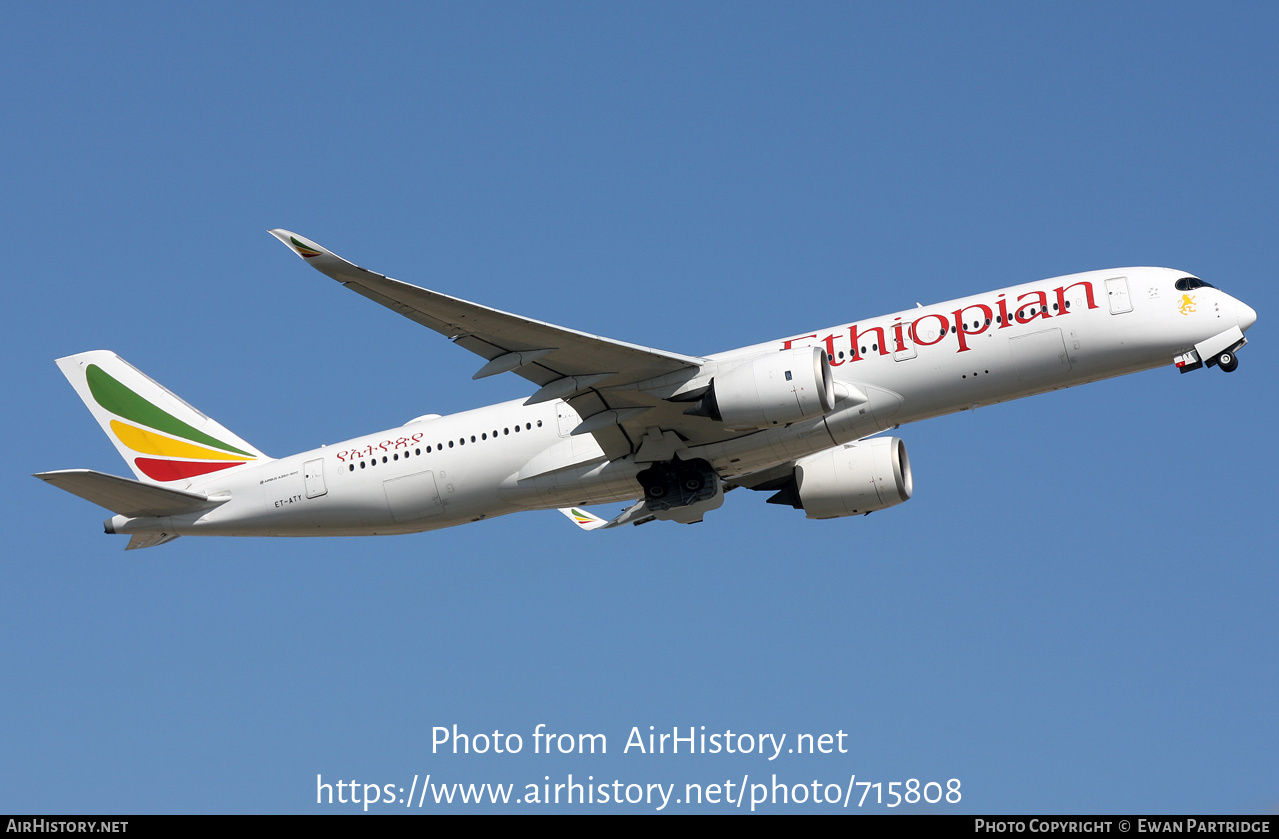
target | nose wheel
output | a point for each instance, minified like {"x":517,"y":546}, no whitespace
{"x":1228,"y":361}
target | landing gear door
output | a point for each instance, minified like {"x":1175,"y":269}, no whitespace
{"x":313,"y":476}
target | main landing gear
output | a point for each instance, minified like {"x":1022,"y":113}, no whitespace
{"x":678,"y":483}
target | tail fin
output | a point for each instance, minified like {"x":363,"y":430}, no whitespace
{"x":162,"y":438}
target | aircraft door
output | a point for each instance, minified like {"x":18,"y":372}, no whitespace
{"x":908,"y":341}
{"x":1117,"y":294}
{"x":313,"y":477}
{"x":568,"y":418}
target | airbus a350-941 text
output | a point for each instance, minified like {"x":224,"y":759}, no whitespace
{"x":615,"y":422}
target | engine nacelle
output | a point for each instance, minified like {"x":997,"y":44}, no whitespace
{"x":850,"y":480}
{"x":774,"y":389}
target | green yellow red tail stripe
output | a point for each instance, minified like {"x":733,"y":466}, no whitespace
{"x":148,"y":442}
{"x":305,"y":251}
{"x":177,"y":470}
{"x":178,"y":450}
{"x":120,"y":400}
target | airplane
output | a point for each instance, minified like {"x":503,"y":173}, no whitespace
{"x":615,"y":422}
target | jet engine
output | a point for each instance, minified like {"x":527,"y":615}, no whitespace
{"x":855,"y":479}
{"x":773,"y":389}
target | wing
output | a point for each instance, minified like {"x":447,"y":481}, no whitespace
{"x":589,"y":371}
{"x":540,"y":352}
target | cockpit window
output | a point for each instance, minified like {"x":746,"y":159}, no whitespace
{"x":1191,"y":283}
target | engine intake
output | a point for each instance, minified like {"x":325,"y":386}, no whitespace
{"x":855,"y":479}
{"x":774,"y":389}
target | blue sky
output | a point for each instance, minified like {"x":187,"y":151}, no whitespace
{"x":1075,"y":613}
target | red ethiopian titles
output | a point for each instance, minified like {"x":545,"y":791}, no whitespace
{"x":1031,"y":305}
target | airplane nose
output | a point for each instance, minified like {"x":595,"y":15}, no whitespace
{"x":1246,"y":314}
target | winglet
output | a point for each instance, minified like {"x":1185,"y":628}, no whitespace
{"x":328,"y":263}
{"x":300,"y":245}
{"x":583,"y":519}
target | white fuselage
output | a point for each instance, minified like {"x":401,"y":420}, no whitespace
{"x":903,"y":367}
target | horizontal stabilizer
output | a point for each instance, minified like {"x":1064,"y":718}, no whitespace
{"x":149,"y":540}
{"x":637,"y":513}
{"x":127,"y":497}
{"x":583,"y":519}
